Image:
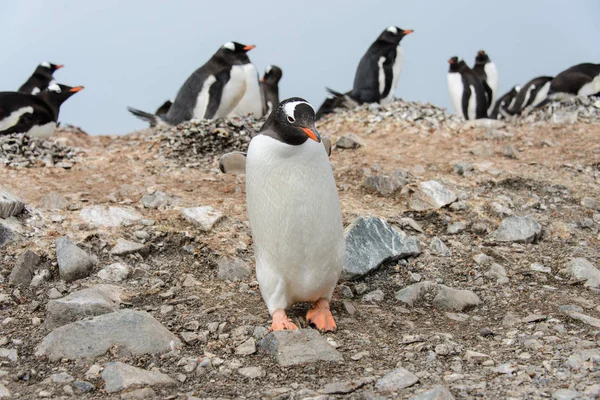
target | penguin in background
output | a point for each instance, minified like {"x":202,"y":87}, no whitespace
{"x":211,"y":92}
{"x":531,"y":94}
{"x":269,"y":85}
{"x":299,"y":249}
{"x":34,"y":115}
{"x":252,"y":102}
{"x":504,"y":103}
{"x":40,"y":79}
{"x":578,"y":80}
{"x":379,"y":69}
{"x":487,"y":73}
{"x":466,"y":91}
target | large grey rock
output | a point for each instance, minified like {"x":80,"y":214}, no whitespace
{"x":203,"y":217}
{"x":54,"y":201}
{"x":73,"y":263}
{"x":445,"y":297}
{"x":386,"y":185}
{"x":116,"y":272}
{"x":118,"y":376}
{"x":97,"y":300}
{"x":580,"y":268}
{"x":11,"y":231}
{"x":156,"y":200}
{"x":396,"y":380}
{"x":429,"y":195}
{"x":586,"y":319}
{"x":298,"y":347}
{"x":10,"y":204}
{"x":518,"y":229}
{"x":24,"y":268}
{"x":109,"y":216}
{"x":349,"y":141}
{"x":435,"y":393}
{"x":136,"y":332}
{"x":591,"y":203}
{"x":370,"y":242}
{"x":438,"y":247}
{"x":415,"y":292}
{"x":124,"y":247}
{"x":233,"y":269}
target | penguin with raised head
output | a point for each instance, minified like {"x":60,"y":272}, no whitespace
{"x":270,"y":87}
{"x":40,"y":79}
{"x":466,"y":91}
{"x":504,"y":103}
{"x":379,"y":69}
{"x":33,"y":115}
{"x":487,"y":73}
{"x":211,"y":92}
{"x":578,"y":80}
{"x":294,"y":213}
{"x":531,"y":94}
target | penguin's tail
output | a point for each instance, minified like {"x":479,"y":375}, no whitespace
{"x":152,"y":119}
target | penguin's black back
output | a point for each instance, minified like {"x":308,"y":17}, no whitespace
{"x":503,"y":102}
{"x":522,"y":101}
{"x":270,"y":86}
{"x":40,"y":79}
{"x":41,"y":114}
{"x":569,"y":82}
{"x":589,"y":69}
{"x":471,"y":82}
{"x":366,"y":80}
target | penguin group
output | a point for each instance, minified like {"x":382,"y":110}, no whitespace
{"x":35,"y":107}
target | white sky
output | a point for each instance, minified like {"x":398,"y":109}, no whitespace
{"x":138,"y":53}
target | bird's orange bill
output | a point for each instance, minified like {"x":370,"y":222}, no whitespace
{"x":76,"y":89}
{"x":408,"y":31}
{"x":249,"y":47}
{"x":451,"y":61}
{"x":59,"y":66}
{"x":312,"y":134}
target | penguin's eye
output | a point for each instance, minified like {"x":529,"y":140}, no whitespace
{"x":291,"y":119}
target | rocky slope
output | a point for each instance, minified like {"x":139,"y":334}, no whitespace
{"x":472,"y":268}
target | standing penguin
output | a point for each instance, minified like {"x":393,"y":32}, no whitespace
{"x":379,"y":69}
{"x":504,"y":103}
{"x":40,"y":79}
{"x":295,"y":216}
{"x":487,"y":73}
{"x":252,"y":101}
{"x":531,"y":94}
{"x":211,"y":92}
{"x":466,"y":91}
{"x":33,"y":115}
{"x":270,"y":87}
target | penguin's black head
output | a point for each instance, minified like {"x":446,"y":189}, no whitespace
{"x":455,"y":64}
{"x":235,"y":52}
{"x":394,"y":35}
{"x":272,"y":75}
{"x":47,"y":68}
{"x":292,"y":122}
{"x":481,"y":58}
{"x":56,"y":94}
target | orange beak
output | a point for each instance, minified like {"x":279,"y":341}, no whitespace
{"x":76,"y":89}
{"x":408,"y":31}
{"x":249,"y":47}
{"x":450,"y":61}
{"x":312,"y":134}
{"x":59,"y":66}
{"x":262,"y":80}
{"x":481,"y":52}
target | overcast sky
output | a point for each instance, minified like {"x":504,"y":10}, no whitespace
{"x":138,"y":52}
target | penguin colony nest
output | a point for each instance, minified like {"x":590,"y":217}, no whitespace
{"x":576,"y":109}
{"x":19,"y":150}
{"x":200,"y":142}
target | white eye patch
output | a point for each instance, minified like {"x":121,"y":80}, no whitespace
{"x":230,"y":46}
{"x":393,"y":30}
{"x":54,"y":88}
{"x":290,"y":108}
{"x":45,"y":64}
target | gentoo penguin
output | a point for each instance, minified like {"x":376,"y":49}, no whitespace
{"x":487,"y":73}
{"x":466,"y":91}
{"x":40,"y":79}
{"x":164,"y":108}
{"x":531,"y":94}
{"x":33,"y":115}
{"x":211,"y":92}
{"x":270,"y":87}
{"x":579,"y":80}
{"x":335,"y":100}
{"x":379,"y":69}
{"x":252,"y":102}
{"x":295,"y":216}
{"x":504,"y":103}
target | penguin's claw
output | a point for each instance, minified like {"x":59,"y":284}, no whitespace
{"x":281,"y":322}
{"x":320,"y":316}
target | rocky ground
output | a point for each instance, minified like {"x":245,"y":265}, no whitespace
{"x":472,"y":267}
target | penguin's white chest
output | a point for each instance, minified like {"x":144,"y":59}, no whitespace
{"x":251,"y":102}
{"x":296,"y":221}
{"x":396,"y":70}
{"x":456,"y":88}
{"x":233,"y":91}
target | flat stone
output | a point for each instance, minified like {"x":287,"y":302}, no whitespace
{"x":396,"y":380}
{"x":460,"y":317}
{"x":571,"y":307}
{"x":540,"y":268}
{"x":346,"y":387}
{"x":10,"y":354}
{"x":497,"y":271}
{"x":415,"y":292}
{"x":139,"y":394}
{"x":475,"y":357}
{"x":455,"y":299}
{"x":566,"y":394}
{"x":203,"y":217}
{"x":24,"y":268}
{"x":54,"y":201}
{"x":132,"y":192}
{"x":370,"y":242}
{"x":109,"y":217}
{"x":118,"y":376}
{"x":10,"y":204}
{"x":4,"y":392}
{"x":116,"y":272}
{"x":62,"y":378}
{"x":124,"y":247}
{"x":534,"y":318}
{"x":233,"y":269}
{"x":586,"y":319}
{"x":10,"y":231}
{"x":156,"y":200}
{"x":298,"y":347}
{"x":73,"y":263}
{"x":252,"y":372}
{"x":429,"y":195}
{"x":435,"y":393}
{"x":518,"y":229}
{"x":349,"y":141}
{"x":580,"y":268}
{"x":484,"y":123}
{"x":593,"y":204}
{"x":386,"y":185}
{"x":375,"y":296}
{"x":438,"y":247}
{"x":94,"y":337}
{"x":97,"y":300}
{"x":246,"y":348}
{"x":455,"y":228}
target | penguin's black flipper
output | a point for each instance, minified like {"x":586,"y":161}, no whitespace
{"x":152,"y":119}
{"x":164,"y":108}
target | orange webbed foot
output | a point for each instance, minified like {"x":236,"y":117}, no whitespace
{"x":320,"y":316}
{"x":281,"y":322}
